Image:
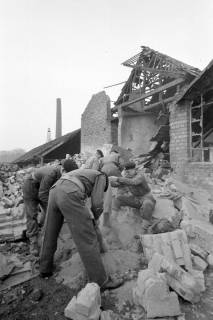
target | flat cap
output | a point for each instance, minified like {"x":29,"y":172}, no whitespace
{"x":69,"y":165}
{"x":129,"y":165}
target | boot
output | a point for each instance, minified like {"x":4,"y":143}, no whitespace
{"x":111,"y":284}
{"x":34,"y":250}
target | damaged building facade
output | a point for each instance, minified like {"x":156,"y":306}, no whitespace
{"x":191,"y":130}
{"x":143,"y":105}
{"x":164,"y":106}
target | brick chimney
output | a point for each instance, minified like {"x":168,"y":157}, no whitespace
{"x":58,"y":130}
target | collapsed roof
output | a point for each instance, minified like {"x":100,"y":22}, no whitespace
{"x":201,"y":84}
{"x":155,"y":79}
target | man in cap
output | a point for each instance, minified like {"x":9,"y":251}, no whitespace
{"x":36,"y":192}
{"x":67,"y":200}
{"x":139,"y":196}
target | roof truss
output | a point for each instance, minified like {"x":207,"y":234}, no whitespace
{"x":152,"y":70}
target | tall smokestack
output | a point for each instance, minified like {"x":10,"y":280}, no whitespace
{"x":58,"y":130}
{"x":48,"y":135}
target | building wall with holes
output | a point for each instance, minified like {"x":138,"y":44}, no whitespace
{"x":196,"y":173}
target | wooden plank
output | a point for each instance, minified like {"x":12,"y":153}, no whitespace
{"x":152,"y":92}
{"x":165,"y":72}
{"x":116,"y":84}
{"x":158,"y":104}
{"x":135,"y":113}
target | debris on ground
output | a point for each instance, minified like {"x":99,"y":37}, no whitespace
{"x":86,"y":306}
{"x":14,"y":271}
{"x":109,"y":315}
{"x":181,"y":235}
{"x":181,"y":281}
{"x":12,"y":215}
{"x":152,"y":293}
{"x":173,"y":245}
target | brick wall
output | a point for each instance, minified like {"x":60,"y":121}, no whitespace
{"x":199,"y":173}
{"x":96,"y":123}
{"x":196,"y":173}
{"x":179,"y":137}
{"x":114,"y":131}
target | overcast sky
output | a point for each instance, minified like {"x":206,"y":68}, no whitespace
{"x":73,"y":48}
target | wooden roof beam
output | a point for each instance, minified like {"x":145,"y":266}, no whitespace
{"x":158,"y":104}
{"x":168,"y":73}
{"x":152,"y":92}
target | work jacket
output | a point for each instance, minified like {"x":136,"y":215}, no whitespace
{"x":46,"y":176}
{"x":93,"y":183}
{"x":137,"y":185}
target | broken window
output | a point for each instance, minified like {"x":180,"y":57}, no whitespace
{"x":201,"y":120}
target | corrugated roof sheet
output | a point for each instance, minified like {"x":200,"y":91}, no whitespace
{"x":47,"y":147}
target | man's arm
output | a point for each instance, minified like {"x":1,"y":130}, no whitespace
{"x":138,"y":179}
{"x":46,"y":183}
{"x":97,"y":196}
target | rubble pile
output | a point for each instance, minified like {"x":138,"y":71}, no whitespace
{"x":176,"y":259}
{"x":173,"y":245}
{"x":168,"y":263}
{"x":12,"y":216}
{"x":15,"y":268}
{"x":152,"y":293}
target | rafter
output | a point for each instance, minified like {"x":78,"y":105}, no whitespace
{"x":155,"y":91}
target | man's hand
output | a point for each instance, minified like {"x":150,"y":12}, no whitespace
{"x":114,"y":181}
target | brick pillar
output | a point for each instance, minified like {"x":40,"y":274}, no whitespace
{"x":179,"y":136}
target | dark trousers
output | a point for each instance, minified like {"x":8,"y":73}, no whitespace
{"x":31,"y":201}
{"x":66,"y":201}
{"x":145,"y":204}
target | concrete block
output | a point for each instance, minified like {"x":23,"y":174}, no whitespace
{"x":178,"y":279}
{"x":69,"y":311}
{"x":173,"y":245}
{"x":199,"y":233}
{"x":167,"y":307}
{"x":143,"y":276}
{"x":199,"y":263}
{"x":86,"y":305}
{"x":88,"y":299}
{"x":152,"y":293}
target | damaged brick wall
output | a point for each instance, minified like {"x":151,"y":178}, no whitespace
{"x":114,"y":132}
{"x":179,"y":137}
{"x":199,"y":173}
{"x":96,"y":129}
